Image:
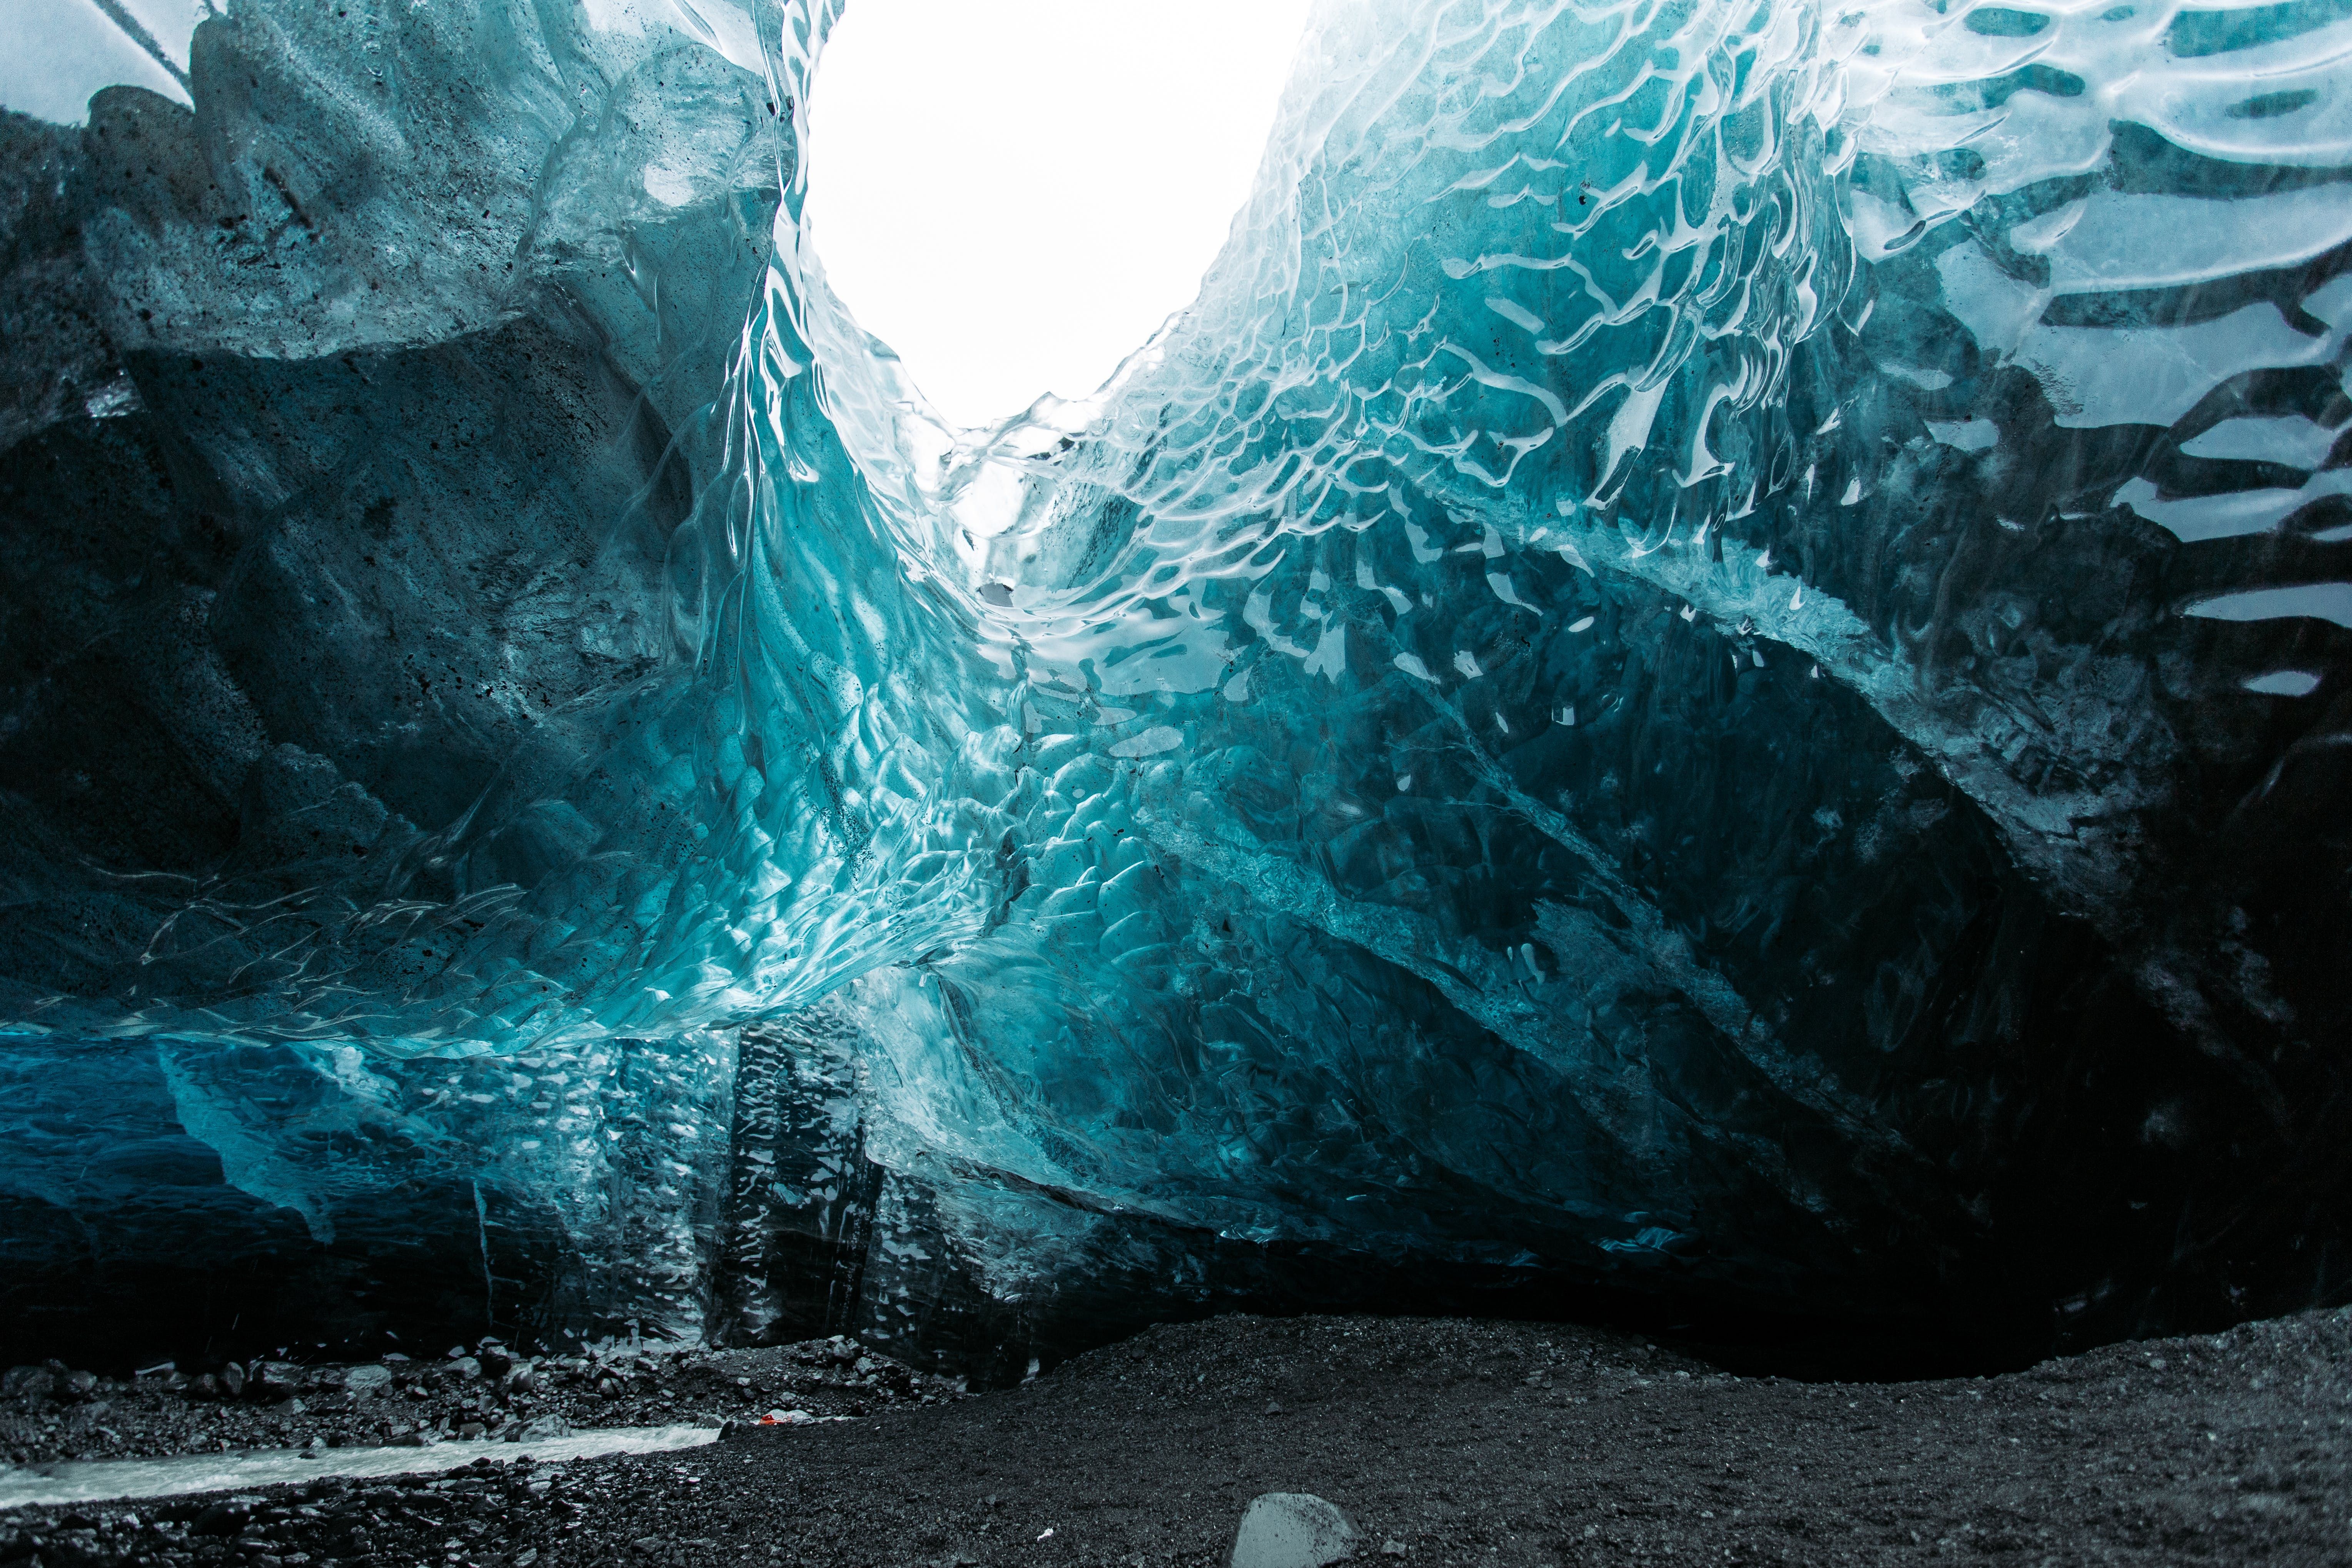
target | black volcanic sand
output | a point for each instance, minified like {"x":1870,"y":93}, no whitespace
{"x":1448,"y":1441}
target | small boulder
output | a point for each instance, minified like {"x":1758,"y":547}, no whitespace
{"x":27,"y":1381}
{"x":363,"y":1381}
{"x":1292,"y":1529}
{"x":228,"y":1516}
{"x":272,"y":1381}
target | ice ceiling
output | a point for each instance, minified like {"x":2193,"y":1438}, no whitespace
{"x":1711,"y":667}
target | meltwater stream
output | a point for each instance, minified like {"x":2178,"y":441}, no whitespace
{"x":1705,"y":681}
{"x":109,"y":1480}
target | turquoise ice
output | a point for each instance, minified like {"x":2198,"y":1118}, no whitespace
{"x":1712,"y":662}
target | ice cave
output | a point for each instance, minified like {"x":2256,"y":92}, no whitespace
{"x":1708,"y":685}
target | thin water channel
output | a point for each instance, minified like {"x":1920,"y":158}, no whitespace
{"x":111,"y":1480}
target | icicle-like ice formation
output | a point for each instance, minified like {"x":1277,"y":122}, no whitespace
{"x":1712,"y":660}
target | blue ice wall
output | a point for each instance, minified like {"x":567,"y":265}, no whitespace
{"x":1711,"y":667}
{"x":196,"y":1197}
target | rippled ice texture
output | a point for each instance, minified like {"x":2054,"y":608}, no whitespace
{"x":1713,"y":660}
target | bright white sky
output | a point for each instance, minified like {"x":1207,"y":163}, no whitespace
{"x":1014,"y":193}
{"x":55,"y":53}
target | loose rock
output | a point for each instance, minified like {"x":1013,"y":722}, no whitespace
{"x":1292,"y":1529}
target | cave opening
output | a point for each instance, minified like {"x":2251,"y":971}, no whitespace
{"x":1014,"y":196}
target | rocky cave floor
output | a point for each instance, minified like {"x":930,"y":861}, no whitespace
{"x":1446,"y":1441}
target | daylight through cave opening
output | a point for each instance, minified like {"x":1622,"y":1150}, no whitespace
{"x":1016,"y":197}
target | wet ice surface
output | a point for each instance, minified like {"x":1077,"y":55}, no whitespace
{"x":106,"y":1480}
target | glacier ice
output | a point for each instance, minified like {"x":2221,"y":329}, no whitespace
{"x":1673,"y":689}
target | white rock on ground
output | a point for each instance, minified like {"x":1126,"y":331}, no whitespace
{"x":1292,"y":1529}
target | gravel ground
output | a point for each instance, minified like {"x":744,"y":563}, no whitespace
{"x":1449,"y":1442}
{"x":54,"y":1413}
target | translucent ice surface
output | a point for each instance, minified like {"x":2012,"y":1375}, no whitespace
{"x":1672,"y":686}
